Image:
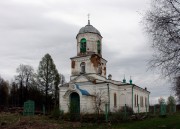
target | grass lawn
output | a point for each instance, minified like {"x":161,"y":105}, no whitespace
{"x":169,"y":122}
{"x":15,"y":121}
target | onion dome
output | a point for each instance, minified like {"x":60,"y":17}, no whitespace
{"x":89,"y":29}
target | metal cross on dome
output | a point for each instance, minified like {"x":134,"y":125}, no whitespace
{"x":88,"y":16}
{"x":88,"y":19}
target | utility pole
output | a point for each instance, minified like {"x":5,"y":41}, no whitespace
{"x":108,"y":98}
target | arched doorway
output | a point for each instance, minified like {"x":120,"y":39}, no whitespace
{"x":75,"y":103}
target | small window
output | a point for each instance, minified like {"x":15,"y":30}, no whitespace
{"x":115,"y":100}
{"x":73,"y":64}
{"x":82,"y":67}
{"x":83,"y":45}
{"x":98,"y":47}
{"x":99,"y":69}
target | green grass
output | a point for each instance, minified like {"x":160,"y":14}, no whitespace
{"x":9,"y":118}
{"x":169,"y":122}
{"x":15,"y":120}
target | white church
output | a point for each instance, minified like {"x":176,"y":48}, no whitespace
{"x":89,"y":87}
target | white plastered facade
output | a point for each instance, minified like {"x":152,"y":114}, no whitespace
{"x":93,"y":82}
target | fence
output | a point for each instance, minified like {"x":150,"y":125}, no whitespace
{"x":162,"y":109}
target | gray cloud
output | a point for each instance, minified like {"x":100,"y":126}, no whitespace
{"x":30,"y":29}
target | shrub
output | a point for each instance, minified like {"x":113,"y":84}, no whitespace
{"x":56,"y":113}
{"x":128,"y":109}
{"x":93,"y":118}
{"x":122,"y":114}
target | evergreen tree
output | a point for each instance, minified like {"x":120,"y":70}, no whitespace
{"x":48,"y":77}
{"x":56,"y":89}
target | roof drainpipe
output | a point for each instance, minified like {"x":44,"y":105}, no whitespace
{"x":148,"y":102}
{"x":108,"y":98}
{"x":132,"y":97}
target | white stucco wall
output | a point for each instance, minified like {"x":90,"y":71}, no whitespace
{"x":144,"y":94}
{"x":89,"y":66}
{"x":123,"y":96}
{"x":93,"y":61}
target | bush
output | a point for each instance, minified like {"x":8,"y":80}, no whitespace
{"x":115,"y":117}
{"x":71,"y":116}
{"x":85,"y":118}
{"x":128,"y":109}
{"x":93,"y":118}
{"x":122,"y":114}
{"x":56,"y":113}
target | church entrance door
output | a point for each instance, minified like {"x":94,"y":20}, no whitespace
{"x":75,"y":105}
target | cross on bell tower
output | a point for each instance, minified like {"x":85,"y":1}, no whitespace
{"x":88,"y":19}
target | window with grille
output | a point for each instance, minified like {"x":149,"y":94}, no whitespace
{"x":83,"y":45}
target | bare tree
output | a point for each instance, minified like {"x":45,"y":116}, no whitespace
{"x":161,"y":100}
{"x":62,"y":79}
{"x":25,"y":74}
{"x":100,"y":99}
{"x":24,"y":77}
{"x":162,"y":23}
{"x":171,"y":100}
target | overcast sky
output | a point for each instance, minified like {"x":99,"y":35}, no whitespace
{"x":31,"y":28}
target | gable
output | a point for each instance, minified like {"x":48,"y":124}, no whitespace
{"x":80,"y":78}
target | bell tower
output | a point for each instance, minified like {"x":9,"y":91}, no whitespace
{"x":88,"y":40}
{"x":88,"y":60}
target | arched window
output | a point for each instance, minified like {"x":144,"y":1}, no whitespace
{"x":98,"y":47}
{"x":115,"y":100}
{"x":135,"y":100}
{"x":83,"y":45}
{"x":82,"y":65}
{"x":141,"y":101}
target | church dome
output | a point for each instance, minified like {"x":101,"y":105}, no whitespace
{"x":89,"y":29}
